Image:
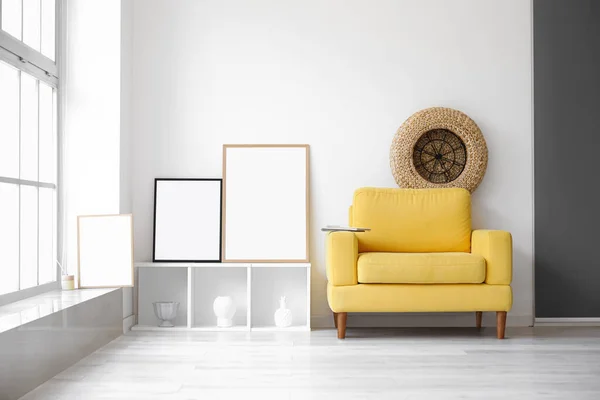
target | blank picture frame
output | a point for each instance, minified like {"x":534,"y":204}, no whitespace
{"x":265,"y":203}
{"x":187,"y":220}
{"x":105,"y":251}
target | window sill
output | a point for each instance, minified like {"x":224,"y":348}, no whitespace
{"x":15,"y":314}
{"x":24,"y":294}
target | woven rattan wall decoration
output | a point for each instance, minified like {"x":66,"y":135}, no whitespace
{"x":439,"y":147}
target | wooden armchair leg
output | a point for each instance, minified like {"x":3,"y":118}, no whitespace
{"x":478,"y":316}
{"x":500,"y":324}
{"x":341,"y":324}
{"x":335,"y":316}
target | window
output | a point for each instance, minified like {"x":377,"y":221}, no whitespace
{"x":32,"y":22}
{"x":28,"y":144}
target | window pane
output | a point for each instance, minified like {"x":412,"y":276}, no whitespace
{"x":48,"y":28}
{"x":46,"y":236}
{"x":29,"y":128}
{"x":47,"y":137}
{"x":9,"y":121}
{"x":31,"y":23}
{"x":29,"y":236}
{"x":9,"y":237}
{"x":11,"y":17}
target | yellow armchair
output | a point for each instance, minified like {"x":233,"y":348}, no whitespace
{"x":419,"y":256}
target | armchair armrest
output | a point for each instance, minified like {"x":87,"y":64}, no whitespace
{"x":342,"y":256}
{"x":496,"y":248}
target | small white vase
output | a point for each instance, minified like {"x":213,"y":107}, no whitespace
{"x":224,"y":309}
{"x":283,"y":315}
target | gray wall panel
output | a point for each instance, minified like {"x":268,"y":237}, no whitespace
{"x":35,"y":352}
{"x":567,"y":157}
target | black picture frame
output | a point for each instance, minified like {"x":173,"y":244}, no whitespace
{"x":218,"y":251}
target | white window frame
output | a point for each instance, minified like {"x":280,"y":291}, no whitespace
{"x":24,"y":58}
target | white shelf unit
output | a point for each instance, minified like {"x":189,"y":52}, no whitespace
{"x":254,"y":287}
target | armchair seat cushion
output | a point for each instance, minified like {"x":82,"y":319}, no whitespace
{"x":421,"y":268}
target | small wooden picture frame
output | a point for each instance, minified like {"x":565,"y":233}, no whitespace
{"x":105,"y":251}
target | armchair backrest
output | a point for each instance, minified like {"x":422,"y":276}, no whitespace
{"x":412,"y":220}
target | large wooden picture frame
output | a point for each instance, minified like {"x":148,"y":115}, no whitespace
{"x":105,"y":251}
{"x":187,"y":220}
{"x":265,"y":203}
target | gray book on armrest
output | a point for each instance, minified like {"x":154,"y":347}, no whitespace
{"x":336,"y":228}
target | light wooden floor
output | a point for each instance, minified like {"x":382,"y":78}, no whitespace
{"x":540,"y":363}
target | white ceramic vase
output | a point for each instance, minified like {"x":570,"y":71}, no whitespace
{"x":283,"y":315}
{"x":224,"y":309}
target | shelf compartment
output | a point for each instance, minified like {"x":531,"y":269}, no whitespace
{"x":162,"y":284}
{"x":269,"y":284}
{"x":207,"y":284}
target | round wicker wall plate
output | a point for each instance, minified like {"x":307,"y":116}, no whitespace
{"x":439,"y":147}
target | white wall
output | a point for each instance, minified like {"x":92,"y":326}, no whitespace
{"x":97,"y":89}
{"x":92,"y":114}
{"x":126,"y":205}
{"x":340,"y":75}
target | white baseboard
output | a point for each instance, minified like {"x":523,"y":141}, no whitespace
{"x":420,"y":320}
{"x":128,"y":322}
{"x":567,"y":322}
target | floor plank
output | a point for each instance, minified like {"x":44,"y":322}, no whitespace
{"x":532,"y":363}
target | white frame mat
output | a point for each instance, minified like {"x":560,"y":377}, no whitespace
{"x":187,"y":220}
{"x":105,"y":251}
{"x":265,"y":203}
